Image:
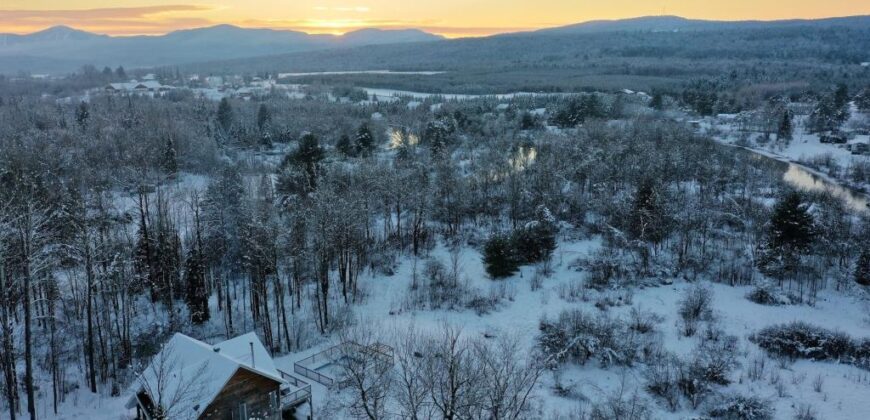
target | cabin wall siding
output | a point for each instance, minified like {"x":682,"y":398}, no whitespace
{"x":245,"y":387}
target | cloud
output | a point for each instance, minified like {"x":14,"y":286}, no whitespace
{"x":337,"y":26}
{"x":112,"y":20}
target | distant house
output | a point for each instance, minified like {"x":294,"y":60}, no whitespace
{"x":234,"y":379}
{"x":134,"y":86}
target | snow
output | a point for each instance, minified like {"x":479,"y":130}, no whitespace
{"x":521,"y":312}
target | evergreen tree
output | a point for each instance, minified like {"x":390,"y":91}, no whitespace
{"x":862,"y":100}
{"x":225,"y":114}
{"x":536,"y":241}
{"x":264,"y":117}
{"x":365,"y":141}
{"x":862,"y":268}
{"x":82,"y":115}
{"x":499,"y":258}
{"x":301,"y":168}
{"x":657,"y":102}
{"x":170,"y":161}
{"x":648,"y":220}
{"x":345,"y":146}
{"x":790,"y":234}
{"x":120,"y":73}
{"x":830,"y":112}
{"x":196,"y":295}
{"x":784,"y":132}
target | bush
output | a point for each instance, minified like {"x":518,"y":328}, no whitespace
{"x":577,"y":337}
{"x":766,"y":294}
{"x":799,"y":340}
{"x":741,"y":407}
{"x":695,"y":306}
{"x":668,"y":377}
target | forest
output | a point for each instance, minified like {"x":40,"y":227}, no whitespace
{"x":126,"y":218}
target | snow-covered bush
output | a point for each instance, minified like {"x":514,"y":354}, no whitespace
{"x":642,"y":321}
{"x":576,"y":336}
{"x":662,"y":376}
{"x":861,"y":354}
{"x":623,"y":407}
{"x":670,"y":377}
{"x":606,"y":271}
{"x":800,"y":340}
{"x":741,"y":407}
{"x":805,"y":412}
{"x":767,"y":294}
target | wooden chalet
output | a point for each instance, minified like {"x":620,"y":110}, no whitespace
{"x":232,"y":380}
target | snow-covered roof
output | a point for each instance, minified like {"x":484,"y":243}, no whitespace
{"x":133,"y":85}
{"x":192,"y":373}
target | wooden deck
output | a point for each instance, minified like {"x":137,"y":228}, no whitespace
{"x":298,"y":393}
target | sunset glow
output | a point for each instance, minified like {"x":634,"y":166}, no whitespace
{"x":451,"y":18}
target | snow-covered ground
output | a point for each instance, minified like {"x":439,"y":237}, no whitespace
{"x":844,"y":389}
{"x":844,"y":385}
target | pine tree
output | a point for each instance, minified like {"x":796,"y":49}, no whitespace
{"x":82,"y":115}
{"x":790,"y":234}
{"x":197,"y":291}
{"x":120,"y":73}
{"x":657,"y":102}
{"x":225,"y":114}
{"x":365,"y":141}
{"x":648,"y":220}
{"x":784,"y":132}
{"x":307,"y":158}
{"x":536,"y":241}
{"x":345,"y":146}
{"x":499,"y":258}
{"x":264,"y":117}
{"x":170,"y":161}
{"x":862,"y":268}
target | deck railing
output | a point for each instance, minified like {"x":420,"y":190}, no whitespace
{"x":308,"y":366}
{"x":294,"y":398}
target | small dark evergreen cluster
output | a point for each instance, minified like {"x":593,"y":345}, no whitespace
{"x":533,"y":243}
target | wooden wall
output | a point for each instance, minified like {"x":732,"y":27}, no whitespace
{"x":249,"y":388}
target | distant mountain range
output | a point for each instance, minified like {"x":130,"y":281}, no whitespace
{"x":63,"y":49}
{"x":677,"y":23}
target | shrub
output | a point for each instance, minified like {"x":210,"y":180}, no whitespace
{"x":741,"y":407}
{"x":799,"y":340}
{"x":766,"y":294}
{"x":662,"y":377}
{"x":576,"y":336}
{"x":695,"y":306}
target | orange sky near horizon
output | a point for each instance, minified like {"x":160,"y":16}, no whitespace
{"x":451,"y":18}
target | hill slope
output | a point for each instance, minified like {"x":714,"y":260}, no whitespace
{"x":62,"y":49}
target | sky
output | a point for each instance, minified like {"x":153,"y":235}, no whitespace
{"x":451,"y":18}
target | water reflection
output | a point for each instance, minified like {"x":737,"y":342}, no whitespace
{"x":807,"y":181}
